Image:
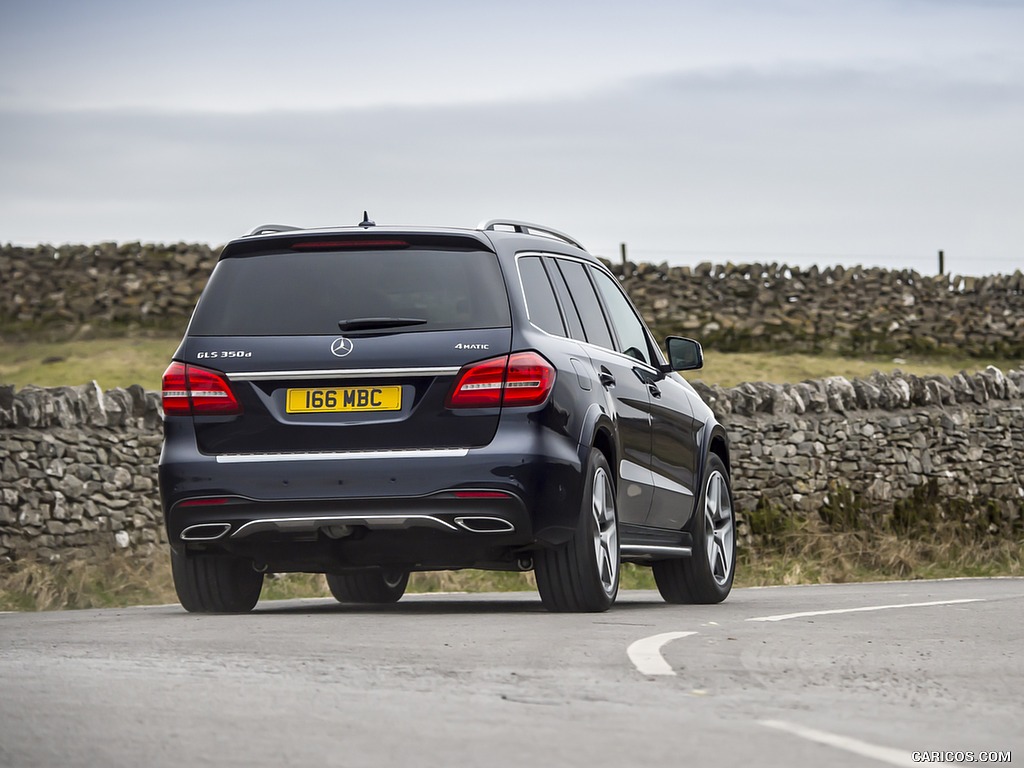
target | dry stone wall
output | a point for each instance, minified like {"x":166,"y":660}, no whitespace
{"x":802,"y":448}
{"x":131,"y":285}
{"x":78,"y":466}
{"x":728,"y":307}
{"x":78,"y":472}
{"x":847,"y":310}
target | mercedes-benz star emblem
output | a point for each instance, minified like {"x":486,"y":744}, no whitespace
{"x":341,"y":346}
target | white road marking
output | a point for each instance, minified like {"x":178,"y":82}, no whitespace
{"x":804,"y":614}
{"x":864,"y":749}
{"x":646,"y":656}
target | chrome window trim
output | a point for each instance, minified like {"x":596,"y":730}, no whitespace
{"x":522,"y":291}
{"x":598,"y":265}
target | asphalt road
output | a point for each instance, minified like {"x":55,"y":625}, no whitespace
{"x":493,"y":680}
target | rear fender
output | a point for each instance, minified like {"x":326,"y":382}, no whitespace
{"x":597,"y":431}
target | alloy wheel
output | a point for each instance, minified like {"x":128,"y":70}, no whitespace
{"x":719,"y":528}
{"x":606,"y":534}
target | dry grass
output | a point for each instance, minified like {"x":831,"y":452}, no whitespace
{"x":808,"y":553}
{"x":33,"y":586}
{"x":113,"y":362}
{"x":728,"y":369}
{"x":811,"y":553}
{"x":136,"y":359}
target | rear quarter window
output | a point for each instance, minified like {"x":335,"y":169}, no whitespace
{"x":286,"y":294}
{"x":540,"y":296}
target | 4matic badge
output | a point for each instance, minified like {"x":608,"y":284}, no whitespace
{"x":472,"y":346}
{"x":341,"y":346}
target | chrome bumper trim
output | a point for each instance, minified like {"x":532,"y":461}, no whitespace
{"x":370,"y":521}
{"x":342,"y":373}
{"x":412,"y":453}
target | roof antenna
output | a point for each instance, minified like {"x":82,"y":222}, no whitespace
{"x":366,"y":221}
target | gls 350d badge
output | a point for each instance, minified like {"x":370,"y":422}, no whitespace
{"x":341,"y":346}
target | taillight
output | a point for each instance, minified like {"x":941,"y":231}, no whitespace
{"x":522,"y":379}
{"x":479,"y":385}
{"x":189,"y":389}
{"x":210,"y":392}
{"x":175,"y":394}
{"x":530,"y":377}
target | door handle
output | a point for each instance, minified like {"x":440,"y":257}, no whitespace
{"x":655,"y":392}
{"x":605,"y":377}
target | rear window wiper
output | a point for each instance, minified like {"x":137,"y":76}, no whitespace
{"x":373,"y":323}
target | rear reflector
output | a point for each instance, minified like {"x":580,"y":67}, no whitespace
{"x":191,"y":390}
{"x":212,"y":502}
{"x":481,"y":495}
{"x":522,"y":379}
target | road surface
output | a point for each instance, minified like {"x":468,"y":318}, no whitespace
{"x":843,"y":675}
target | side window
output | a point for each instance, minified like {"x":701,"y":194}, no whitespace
{"x":628,"y":326}
{"x":572,"y":316}
{"x":540,"y":298}
{"x":587,"y":303}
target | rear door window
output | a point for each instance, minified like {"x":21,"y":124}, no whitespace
{"x":286,"y":294}
{"x":587,"y":304}
{"x":572,"y":315}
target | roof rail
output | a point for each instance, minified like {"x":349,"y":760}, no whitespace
{"x":526,"y":228}
{"x":269,"y":229}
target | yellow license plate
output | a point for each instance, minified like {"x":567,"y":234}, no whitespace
{"x":341,"y":399}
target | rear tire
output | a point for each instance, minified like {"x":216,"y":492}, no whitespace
{"x":705,"y":577}
{"x":583,"y":574}
{"x":215,"y":583}
{"x":371,"y":585}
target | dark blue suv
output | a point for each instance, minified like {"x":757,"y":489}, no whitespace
{"x":365,"y":402}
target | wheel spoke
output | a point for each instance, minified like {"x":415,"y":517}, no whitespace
{"x":716,"y":560}
{"x":718,"y":531}
{"x":606,"y":542}
{"x":715,"y":497}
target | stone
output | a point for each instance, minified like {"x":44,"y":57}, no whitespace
{"x":60,"y":510}
{"x":71,"y":487}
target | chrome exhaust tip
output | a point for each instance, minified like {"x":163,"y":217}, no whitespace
{"x":205,"y":531}
{"x":481,"y":524}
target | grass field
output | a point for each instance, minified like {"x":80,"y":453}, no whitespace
{"x":120,"y":362}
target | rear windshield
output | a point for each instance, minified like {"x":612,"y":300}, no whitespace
{"x":291,"y":294}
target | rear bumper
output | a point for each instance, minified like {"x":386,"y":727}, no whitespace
{"x":444,"y":509}
{"x":231,"y":519}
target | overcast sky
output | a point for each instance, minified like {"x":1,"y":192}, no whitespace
{"x":804,"y":131}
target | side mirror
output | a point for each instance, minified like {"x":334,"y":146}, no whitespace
{"x":684,"y":354}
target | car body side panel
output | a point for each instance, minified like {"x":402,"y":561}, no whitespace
{"x":675,"y":454}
